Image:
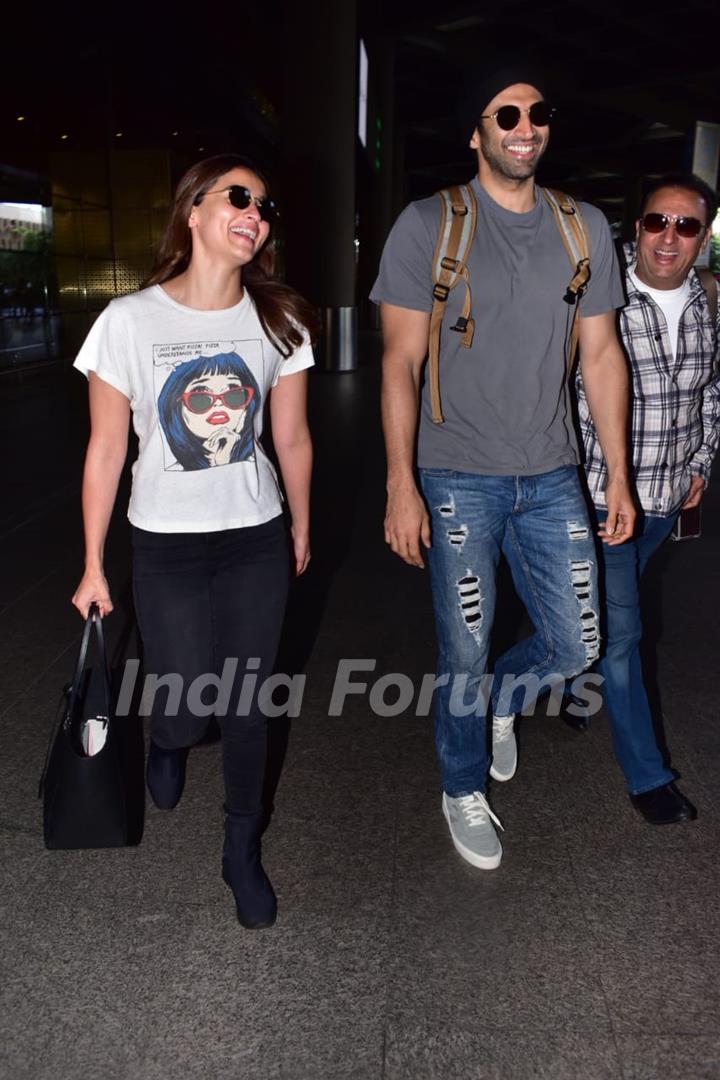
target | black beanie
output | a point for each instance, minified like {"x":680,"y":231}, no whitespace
{"x":482,"y":84}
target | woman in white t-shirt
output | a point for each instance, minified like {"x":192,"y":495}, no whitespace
{"x":192,"y":358}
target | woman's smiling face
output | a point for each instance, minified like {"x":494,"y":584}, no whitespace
{"x":222,"y":231}
{"x":212,"y":402}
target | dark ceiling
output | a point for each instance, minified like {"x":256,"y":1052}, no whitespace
{"x":630,"y":78}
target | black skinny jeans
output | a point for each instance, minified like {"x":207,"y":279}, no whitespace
{"x":202,"y":599}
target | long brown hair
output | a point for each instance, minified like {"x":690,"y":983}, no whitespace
{"x":282,"y":311}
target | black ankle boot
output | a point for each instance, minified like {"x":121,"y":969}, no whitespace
{"x":243,"y":872}
{"x":166,"y":775}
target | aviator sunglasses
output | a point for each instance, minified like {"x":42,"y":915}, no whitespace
{"x":688,"y":227}
{"x":240,"y":197}
{"x":201,"y":401}
{"x":508,"y":116}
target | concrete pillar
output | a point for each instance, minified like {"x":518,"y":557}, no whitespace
{"x":319,"y":130}
{"x":375,"y":172}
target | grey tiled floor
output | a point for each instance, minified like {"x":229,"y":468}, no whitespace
{"x":591,"y":954}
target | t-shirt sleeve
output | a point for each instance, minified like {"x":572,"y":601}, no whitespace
{"x":105,"y":351}
{"x":405,"y":274}
{"x":299,"y":360}
{"x":605,"y":289}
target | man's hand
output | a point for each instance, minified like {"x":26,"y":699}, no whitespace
{"x":620,"y":522}
{"x":406,"y":524}
{"x":697,"y":490}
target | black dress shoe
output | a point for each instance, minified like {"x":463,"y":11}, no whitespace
{"x":166,"y":775}
{"x":664,"y":805}
{"x":580,"y":721}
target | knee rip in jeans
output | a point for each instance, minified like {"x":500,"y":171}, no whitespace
{"x":580,"y":575}
{"x":457,"y":537}
{"x":468,"y":588}
{"x":577,"y":531}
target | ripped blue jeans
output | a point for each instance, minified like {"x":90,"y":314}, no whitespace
{"x":541,"y":525}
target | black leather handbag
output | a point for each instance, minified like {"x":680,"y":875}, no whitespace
{"x":84,"y":797}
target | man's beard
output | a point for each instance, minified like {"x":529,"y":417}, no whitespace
{"x":508,"y":168}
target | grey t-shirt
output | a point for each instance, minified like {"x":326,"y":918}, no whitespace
{"x":505,"y":399}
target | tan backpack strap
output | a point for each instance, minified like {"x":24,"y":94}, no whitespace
{"x":709,"y":284}
{"x":457,"y":228}
{"x":436,"y":316}
{"x":570,"y":223}
{"x":576,"y":240}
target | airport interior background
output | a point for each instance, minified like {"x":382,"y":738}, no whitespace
{"x":592,"y":953}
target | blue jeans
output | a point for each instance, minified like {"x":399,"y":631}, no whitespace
{"x":626,"y":701}
{"x":541,"y":525}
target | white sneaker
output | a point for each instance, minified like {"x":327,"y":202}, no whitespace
{"x":472,"y":830}
{"x":504,"y":748}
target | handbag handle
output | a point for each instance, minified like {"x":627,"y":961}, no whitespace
{"x":66,"y":714}
{"x":93,"y":619}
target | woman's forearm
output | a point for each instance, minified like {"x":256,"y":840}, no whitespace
{"x":99,"y":490}
{"x":106,"y":452}
{"x":295,"y":461}
{"x":293,"y":445}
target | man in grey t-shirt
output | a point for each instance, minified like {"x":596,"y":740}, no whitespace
{"x":499,"y":475}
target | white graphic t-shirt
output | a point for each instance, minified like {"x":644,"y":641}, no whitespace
{"x":197,"y":382}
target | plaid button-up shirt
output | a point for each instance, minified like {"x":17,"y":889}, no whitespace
{"x":675,"y":400}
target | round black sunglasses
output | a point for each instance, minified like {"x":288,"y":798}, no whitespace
{"x":507,"y":117}
{"x":240,"y":197}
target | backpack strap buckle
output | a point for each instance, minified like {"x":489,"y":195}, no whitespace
{"x":576,"y":240}
{"x":457,"y":229}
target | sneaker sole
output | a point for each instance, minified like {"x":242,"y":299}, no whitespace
{"x":481,"y":862}
{"x":502,"y":776}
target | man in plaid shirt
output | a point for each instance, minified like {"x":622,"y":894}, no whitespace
{"x":669,"y":329}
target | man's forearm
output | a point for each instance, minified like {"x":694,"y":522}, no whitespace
{"x":400,"y":400}
{"x":405,"y":335}
{"x":702,"y":459}
{"x":606,"y":384}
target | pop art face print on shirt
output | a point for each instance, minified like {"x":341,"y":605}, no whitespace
{"x":208,"y":402}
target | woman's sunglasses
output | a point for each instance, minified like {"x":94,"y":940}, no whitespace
{"x":687,"y":227}
{"x":240,"y":197}
{"x":508,"y":116}
{"x":201,"y":401}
